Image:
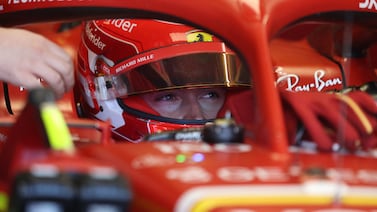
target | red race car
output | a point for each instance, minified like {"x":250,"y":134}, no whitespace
{"x":53,"y":159}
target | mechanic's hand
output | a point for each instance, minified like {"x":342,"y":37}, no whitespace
{"x":27,"y":58}
{"x":349,"y":120}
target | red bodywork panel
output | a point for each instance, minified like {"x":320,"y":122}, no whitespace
{"x":262,"y":174}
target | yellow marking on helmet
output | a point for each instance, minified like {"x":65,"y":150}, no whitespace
{"x":199,"y":37}
{"x":56,"y":128}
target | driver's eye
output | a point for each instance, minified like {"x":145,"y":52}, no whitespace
{"x":211,"y":95}
{"x":166,"y":97}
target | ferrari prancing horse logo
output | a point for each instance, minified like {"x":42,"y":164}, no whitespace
{"x":199,"y":37}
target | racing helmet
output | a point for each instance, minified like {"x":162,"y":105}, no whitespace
{"x":120,"y":59}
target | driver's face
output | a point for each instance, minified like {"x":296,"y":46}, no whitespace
{"x":199,"y":103}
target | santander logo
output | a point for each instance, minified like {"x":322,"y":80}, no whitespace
{"x":93,"y":38}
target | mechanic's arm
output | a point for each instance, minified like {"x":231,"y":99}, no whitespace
{"x":27,"y":57}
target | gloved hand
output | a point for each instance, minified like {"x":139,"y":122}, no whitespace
{"x":349,"y":120}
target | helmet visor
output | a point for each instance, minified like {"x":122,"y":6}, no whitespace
{"x":193,"y":70}
{"x":185,"y":71}
{"x":199,"y":64}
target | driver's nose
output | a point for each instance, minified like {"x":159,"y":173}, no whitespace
{"x":194,"y":110}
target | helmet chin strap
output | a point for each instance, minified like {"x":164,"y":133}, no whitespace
{"x":145,"y":115}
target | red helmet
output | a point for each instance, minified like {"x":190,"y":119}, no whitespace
{"x":121,"y":58}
